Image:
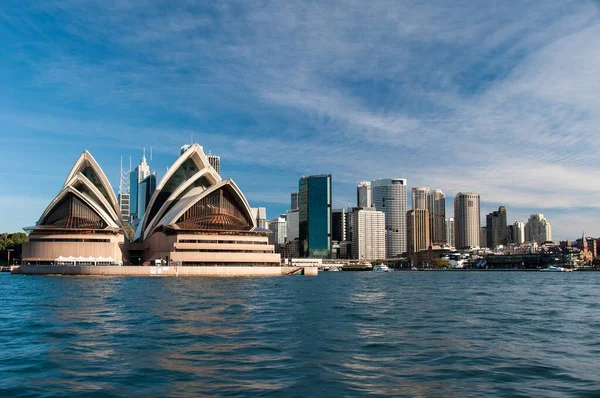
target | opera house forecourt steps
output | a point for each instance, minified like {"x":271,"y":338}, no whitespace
{"x":195,"y":224}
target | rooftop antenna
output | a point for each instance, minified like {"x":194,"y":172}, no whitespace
{"x":144,"y":153}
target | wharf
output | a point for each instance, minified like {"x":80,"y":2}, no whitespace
{"x":201,"y":271}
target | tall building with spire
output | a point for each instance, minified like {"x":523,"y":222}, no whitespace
{"x":136,"y":176}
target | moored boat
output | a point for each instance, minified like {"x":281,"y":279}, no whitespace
{"x":381,"y":268}
{"x":552,"y":268}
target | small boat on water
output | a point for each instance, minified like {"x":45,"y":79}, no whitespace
{"x":381,"y":268}
{"x":552,"y":268}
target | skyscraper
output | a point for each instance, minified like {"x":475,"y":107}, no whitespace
{"x":417,"y":227}
{"x":146,"y":188}
{"x":292,"y":226}
{"x":390,"y":196}
{"x":496,"y":231}
{"x":519,"y":232}
{"x":450,"y":231}
{"x":338,"y":225}
{"x":437,"y":217}
{"x":420,"y":198}
{"x":538,"y":229}
{"x":215,"y":162}
{"x":510,"y":234}
{"x":278,"y":233}
{"x":260,"y":216}
{"x":368,"y":238}
{"x":136,"y":176}
{"x":294,"y":200}
{"x":314,"y":201}
{"x":483,"y":236}
{"x":363,"y":194}
{"x":466,"y":219}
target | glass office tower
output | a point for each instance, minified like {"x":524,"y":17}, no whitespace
{"x":315,"y":216}
{"x":133,"y":193}
{"x":145,"y":190}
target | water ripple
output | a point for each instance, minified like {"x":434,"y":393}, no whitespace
{"x":340,"y":334}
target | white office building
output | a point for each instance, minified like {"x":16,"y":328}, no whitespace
{"x":363,"y":194}
{"x":519,"y":232}
{"x":390,"y":196}
{"x":368,"y":238}
{"x":278,"y":227}
{"x":260,"y":216}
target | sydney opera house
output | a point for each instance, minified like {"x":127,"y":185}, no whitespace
{"x":194,"y":219}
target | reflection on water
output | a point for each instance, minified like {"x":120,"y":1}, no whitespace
{"x":418,"y":334}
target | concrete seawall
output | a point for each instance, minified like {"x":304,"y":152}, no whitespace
{"x":159,"y":271}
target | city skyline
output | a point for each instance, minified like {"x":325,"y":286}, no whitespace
{"x":301,"y":95}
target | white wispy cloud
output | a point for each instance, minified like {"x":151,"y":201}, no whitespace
{"x":498,"y":98}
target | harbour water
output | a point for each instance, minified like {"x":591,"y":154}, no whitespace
{"x":340,"y":334}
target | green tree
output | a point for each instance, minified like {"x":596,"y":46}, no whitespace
{"x":440,"y":263}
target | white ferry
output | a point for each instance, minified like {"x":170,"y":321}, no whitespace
{"x":552,"y":268}
{"x":381,"y":268}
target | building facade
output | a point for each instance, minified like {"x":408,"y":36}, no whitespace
{"x":146,"y":189}
{"x":450,"y":231}
{"x":466,"y":220}
{"x":437,"y":217}
{"x":294,"y":200}
{"x":314,"y":202}
{"x":82,"y":223}
{"x":538,"y":229}
{"x":519,"y":232}
{"x":390,"y":196}
{"x":293,"y":224}
{"x":496,"y":228}
{"x":420,"y":198}
{"x":368,"y":242}
{"x":363,"y":194}
{"x":483,"y":236}
{"x":278,"y":228}
{"x":195,"y":218}
{"x":215,"y":162}
{"x":417,"y":222}
{"x":338,"y":225}
{"x":260,"y":216}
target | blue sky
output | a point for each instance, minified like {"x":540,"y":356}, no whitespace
{"x":499,"y":98}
